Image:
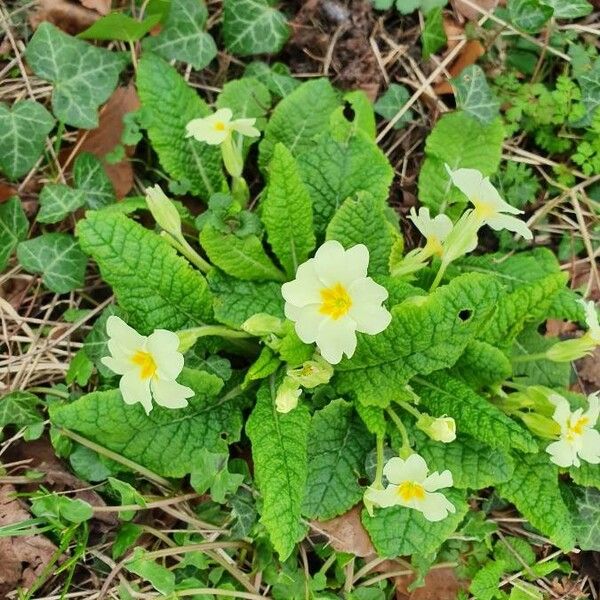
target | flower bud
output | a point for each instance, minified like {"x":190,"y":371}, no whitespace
{"x":312,"y":372}
{"x":163,"y":211}
{"x":540,"y":425}
{"x":287,"y":395}
{"x":442,"y":429}
{"x":262,"y":324}
{"x":570,"y":350}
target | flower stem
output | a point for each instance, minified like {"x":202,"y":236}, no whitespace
{"x":406,"y":447}
{"x":409,"y":409}
{"x":240,"y":191}
{"x":529,"y":357}
{"x":438,"y":277}
{"x":378,"y":483}
{"x":184,"y":248}
{"x":217,"y":330}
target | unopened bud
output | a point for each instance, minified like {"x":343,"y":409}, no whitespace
{"x":570,"y":350}
{"x":312,"y":373}
{"x":287,"y":396}
{"x":442,"y":429}
{"x":262,"y":324}
{"x":163,"y":211}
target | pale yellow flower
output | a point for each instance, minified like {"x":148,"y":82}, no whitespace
{"x":219,"y":126}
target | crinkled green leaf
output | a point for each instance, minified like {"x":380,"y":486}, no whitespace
{"x":247,"y":98}
{"x":487,"y":580}
{"x":286,"y":211}
{"x":365,"y":219}
{"x":482,"y":365}
{"x":514,"y":552}
{"x":277,"y":77}
{"x":534,"y":490}
{"x":13,"y":228}
{"x":298,"y":118}
{"x":156,"y":287}
{"x":587,"y":475}
{"x":474,"y":415}
{"x":90,"y":177}
{"x":236,"y":301}
{"x":253,"y":27}
{"x":119,"y":26}
{"x":474,"y":96}
{"x":182,"y":36}
{"x":279,"y":452}
{"x":338,"y":443}
{"x":399,"y":531}
{"x":458,"y":141}
{"x":427,"y":333}
{"x":244,"y":258}
{"x":58,"y":201}
{"x":433,"y":37}
{"x":473,"y":464}
{"x":167,"y":440}
{"x":57,"y":257}
{"x":586,"y":520}
{"x":23,"y":131}
{"x":337,"y":166}
{"x":529,"y":15}
{"x":168,"y":105}
{"x":373,"y":417}
{"x":389,"y":103}
{"x":83,"y":76}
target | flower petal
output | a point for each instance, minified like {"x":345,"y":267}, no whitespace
{"x":468,"y":181}
{"x":511,"y":224}
{"x":135,"y":389}
{"x":414,"y":468}
{"x":330,"y":263}
{"x":117,"y":365}
{"x":562,"y":413}
{"x":591,"y":319}
{"x":170,"y":394}
{"x":435,"y":507}
{"x":162,"y":345}
{"x":245,"y":127}
{"x":336,"y":337}
{"x":437,"y":481}
{"x":593,"y":411}
{"x":489,"y":194}
{"x":383,"y":498}
{"x":305,"y":288}
{"x":366,"y":311}
{"x":563,"y":454}
{"x":123,"y":336}
{"x":590,"y":446}
{"x":307,"y":321}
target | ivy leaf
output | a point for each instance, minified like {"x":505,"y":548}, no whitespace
{"x":587,"y":519}
{"x":366,"y":220}
{"x":589,"y":82}
{"x":338,"y":443}
{"x":157,"y":288}
{"x":23,"y":131}
{"x":253,"y":27}
{"x":236,"y":301}
{"x":57,"y":201}
{"x":20,"y":409}
{"x":119,"y":26}
{"x":286,"y":211}
{"x":400,"y":531}
{"x":395,"y":97}
{"x":13,"y":228}
{"x":433,"y":37}
{"x":182,"y":36}
{"x":474,"y":96}
{"x":168,"y":105}
{"x":427,"y":333}
{"x":277,"y":77}
{"x":83,"y":76}
{"x":534,"y":490}
{"x":460,"y":142}
{"x":279,"y":451}
{"x":90,"y":177}
{"x":529,"y":15}
{"x":166,"y":441}
{"x":57,"y":257}
{"x":474,"y":415}
{"x":298,"y":118}
{"x":569,"y":9}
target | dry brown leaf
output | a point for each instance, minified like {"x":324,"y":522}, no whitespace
{"x":23,"y":558}
{"x":68,"y":16}
{"x":440,"y":584}
{"x":468,"y":12}
{"x":100,"y":6}
{"x":6,"y":191}
{"x":469,"y":55}
{"x":589,"y":369}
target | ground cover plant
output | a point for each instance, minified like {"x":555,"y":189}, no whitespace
{"x":298,"y":300}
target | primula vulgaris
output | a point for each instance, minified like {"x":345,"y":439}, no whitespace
{"x":435,"y":231}
{"x":149,"y":365}
{"x":332,"y":298}
{"x":578,"y":437}
{"x":219,"y":126}
{"x":410,"y":485}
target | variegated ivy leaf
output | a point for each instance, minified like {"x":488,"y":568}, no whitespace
{"x":183,"y":37}
{"x":23,"y":130}
{"x":570,"y":9}
{"x":90,"y":177}
{"x":83,"y":76}
{"x":13,"y":228}
{"x":529,"y":15}
{"x":57,"y":201}
{"x":473,"y":94}
{"x":253,"y":27}
{"x":391,"y":102}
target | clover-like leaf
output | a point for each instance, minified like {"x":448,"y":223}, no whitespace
{"x":83,"y":76}
{"x":474,"y":96}
{"x":23,"y":131}
{"x":13,"y":228}
{"x":57,"y":201}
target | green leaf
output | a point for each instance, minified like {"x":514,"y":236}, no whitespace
{"x":80,"y":369}
{"x":236,"y":301}
{"x":13,"y":228}
{"x":427,"y":333}
{"x":19,"y":409}
{"x":482,"y":365}
{"x":90,"y":177}
{"x":570,"y":9}
{"x":182,"y":36}
{"x":277,"y":77}
{"x":474,"y":96}
{"x":473,"y":465}
{"x":88,"y":465}
{"x":157,"y":288}
{"x":168,"y":105}
{"x":58,"y":201}
{"x":57,"y":257}
{"x":335,"y":167}
{"x":399,"y":531}
{"x":161,"y":578}
{"x":486,"y":582}
{"x":279,"y":452}
{"x":83,"y":76}
{"x":61,"y":510}
{"x":247,"y":98}
{"x":474,"y":415}
{"x":529,"y":15}
{"x":587,"y":475}
{"x":166,"y":441}
{"x":286,"y":211}
{"x":253,"y":27}
{"x":433,"y":37}
{"x":589,"y":82}
{"x":534,"y":490}
{"x":244,"y":258}
{"x":338,"y":443}
{"x":119,"y":26}
{"x":128,"y":495}
{"x":389,"y":103}
{"x":514,"y":552}
{"x":298,"y":118}
{"x":586,"y":521}
{"x":23,"y":131}
{"x":460,"y":142}
{"x":366,"y":220}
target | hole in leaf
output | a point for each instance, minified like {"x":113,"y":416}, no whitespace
{"x":224,"y":435}
{"x":465,"y":314}
{"x":363,"y":481}
{"x":349,"y":112}
{"x":541,"y":329}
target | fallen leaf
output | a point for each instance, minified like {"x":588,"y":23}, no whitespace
{"x":6,"y":191}
{"x":23,"y":558}
{"x":468,"y":12}
{"x":71,"y":17}
{"x":100,"y":6}
{"x":453,"y":30}
{"x":440,"y":584}
{"x":589,"y":369}
{"x":469,"y":55}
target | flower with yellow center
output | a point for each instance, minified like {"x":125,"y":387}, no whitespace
{"x":591,"y":320}
{"x":410,"y":485}
{"x":578,"y":437}
{"x":435,"y":231}
{"x":488,"y":206}
{"x":219,"y":126}
{"x":332,"y":298}
{"x":149,"y":365}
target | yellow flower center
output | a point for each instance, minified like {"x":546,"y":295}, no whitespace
{"x":576,"y":428}
{"x":335,"y":301}
{"x":411,"y":490}
{"x":434,"y":246}
{"x":146,"y":364}
{"x":483,"y":210}
{"x":219,"y":126}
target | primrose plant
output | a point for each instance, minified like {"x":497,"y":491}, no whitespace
{"x":360,"y":371}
